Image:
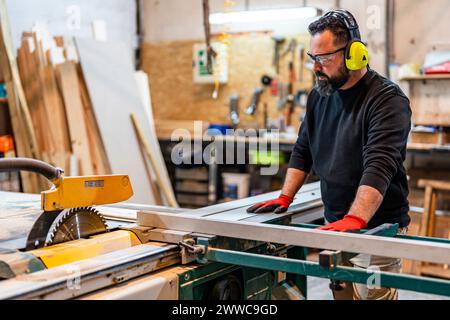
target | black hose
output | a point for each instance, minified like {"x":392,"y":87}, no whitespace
{"x":31,"y":165}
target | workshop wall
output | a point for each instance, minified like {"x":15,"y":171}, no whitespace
{"x":171,"y":27}
{"x":176,"y":97}
{"x":418,"y":27}
{"x":74,"y":18}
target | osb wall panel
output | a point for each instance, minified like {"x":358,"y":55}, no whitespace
{"x":176,"y":97}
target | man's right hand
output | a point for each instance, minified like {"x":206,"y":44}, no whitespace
{"x":279,"y":205}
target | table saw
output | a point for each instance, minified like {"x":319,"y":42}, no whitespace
{"x":217,"y":252}
{"x":131,"y":261}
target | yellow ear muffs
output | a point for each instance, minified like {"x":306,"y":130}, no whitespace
{"x":356,"y":55}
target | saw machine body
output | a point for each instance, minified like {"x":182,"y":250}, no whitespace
{"x":67,"y":208}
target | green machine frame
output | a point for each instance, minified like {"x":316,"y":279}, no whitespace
{"x":258,"y":266}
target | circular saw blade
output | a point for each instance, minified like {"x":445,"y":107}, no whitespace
{"x":75,"y":224}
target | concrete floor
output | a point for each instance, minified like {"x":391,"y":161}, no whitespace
{"x":318,"y":290}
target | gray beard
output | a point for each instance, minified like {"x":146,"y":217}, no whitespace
{"x":325,"y":88}
{"x":328,"y":87}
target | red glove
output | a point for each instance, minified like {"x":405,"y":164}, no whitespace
{"x":279,"y":205}
{"x":350,"y":222}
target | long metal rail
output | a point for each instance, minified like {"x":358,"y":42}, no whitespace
{"x":421,"y":250}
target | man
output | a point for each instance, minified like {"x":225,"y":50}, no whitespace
{"x":354,"y":137}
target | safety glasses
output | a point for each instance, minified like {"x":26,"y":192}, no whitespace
{"x":324,"y":58}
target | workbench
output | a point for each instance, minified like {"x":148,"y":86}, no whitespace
{"x":243,"y":145}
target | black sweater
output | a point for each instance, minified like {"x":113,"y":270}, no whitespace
{"x":358,"y":137}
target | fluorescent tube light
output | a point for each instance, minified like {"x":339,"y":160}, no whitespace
{"x":263,"y":15}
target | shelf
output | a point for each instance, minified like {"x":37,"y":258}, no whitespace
{"x":236,"y":139}
{"x":427,"y":77}
{"x":427,"y":147}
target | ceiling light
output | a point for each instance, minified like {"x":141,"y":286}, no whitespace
{"x":264,"y":15}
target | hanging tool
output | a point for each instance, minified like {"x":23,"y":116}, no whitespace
{"x":290,"y":97}
{"x":292,"y":46}
{"x":266,"y":80}
{"x":274,"y":86}
{"x":266,"y":116}
{"x":234,"y":109}
{"x":67,"y":213}
{"x":279,"y":40}
{"x":210,"y":53}
{"x":251,"y":109}
{"x":286,"y":95}
{"x":282,"y":95}
{"x":302,"y":62}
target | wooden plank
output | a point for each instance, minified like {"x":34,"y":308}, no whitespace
{"x":144,"y":92}
{"x":41,"y":95}
{"x":436,"y":184}
{"x":32,"y":85}
{"x":95,"y":273}
{"x":428,"y":215}
{"x":109,"y":73}
{"x":348,"y":242}
{"x":162,"y":183}
{"x":23,"y":62}
{"x":100,"y":161}
{"x":13,"y":263}
{"x":34,"y":92}
{"x":436,"y":271}
{"x":69,"y":87}
{"x":151,"y":170}
{"x":428,"y":210}
{"x":55,"y":108}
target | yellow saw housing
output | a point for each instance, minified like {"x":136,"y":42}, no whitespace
{"x":81,"y":249}
{"x":75,"y":192}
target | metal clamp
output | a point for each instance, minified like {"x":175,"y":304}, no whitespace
{"x":190,"y":246}
{"x":190,"y":251}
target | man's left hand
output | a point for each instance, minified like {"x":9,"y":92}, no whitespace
{"x":350,"y":222}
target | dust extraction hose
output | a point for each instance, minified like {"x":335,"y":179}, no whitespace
{"x":31,"y":165}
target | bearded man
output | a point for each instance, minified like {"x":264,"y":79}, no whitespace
{"x":354,"y":138}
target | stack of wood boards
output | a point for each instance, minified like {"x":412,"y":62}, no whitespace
{"x":80,"y":97}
